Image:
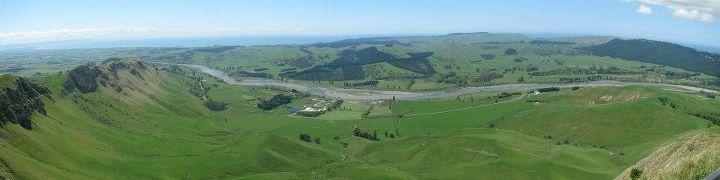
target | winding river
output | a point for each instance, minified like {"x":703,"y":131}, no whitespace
{"x":359,"y":94}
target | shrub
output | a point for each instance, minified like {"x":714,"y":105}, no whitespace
{"x":635,"y":173}
{"x":305,"y":137}
{"x":663,"y":100}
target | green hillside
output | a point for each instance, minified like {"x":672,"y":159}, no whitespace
{"x":158,"y":126}
{"x":349,"y":65}
{"x":660,"y":53}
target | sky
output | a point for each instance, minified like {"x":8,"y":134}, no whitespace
{"x":23,"y":21}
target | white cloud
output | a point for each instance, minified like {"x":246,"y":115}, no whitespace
{"x":133,"y":31}
{"x":693,"y":15}
{"x":645,"y":10}
{"x":700,"y":10}
{"x":66,"y":33}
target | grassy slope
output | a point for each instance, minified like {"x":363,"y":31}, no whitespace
{"x":635,"y":126}
{"x":7,"y":81}
{"x":687,"y":158}
{"x":171,"y":135}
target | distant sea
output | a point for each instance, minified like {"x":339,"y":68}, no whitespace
{"x":178,"y":42}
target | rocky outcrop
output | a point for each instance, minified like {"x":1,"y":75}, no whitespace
{"x":19,"y":99}
{"x":90,"y":77}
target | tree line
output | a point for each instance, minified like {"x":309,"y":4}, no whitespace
{"x":275,"y":101}
{"x":364,"y":134}
{"x":372,"y":83}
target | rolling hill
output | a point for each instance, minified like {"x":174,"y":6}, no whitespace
{"x":130,"y":119}
{"x":156,"y":127}
{"x":658,"y":52}
{"x":433,"y":62}
{"x":349,"y":65}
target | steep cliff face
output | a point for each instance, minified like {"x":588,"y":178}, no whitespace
{"x":19,"y":99}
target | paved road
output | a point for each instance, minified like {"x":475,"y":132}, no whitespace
{"x":359,"y":94}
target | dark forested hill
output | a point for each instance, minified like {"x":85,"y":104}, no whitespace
{"x":349,"y":65}
{"x":660,"y":53}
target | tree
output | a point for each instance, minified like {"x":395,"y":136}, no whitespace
{"x":307,"y":138}
{"x":215,"y":105}
{"x":635,"y":173}
{"x":522,"y":79}
{"x":490,"y":124}
{"x":663,"y":100}
{"x":317,"y":140}
{"x":510,"y":51}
